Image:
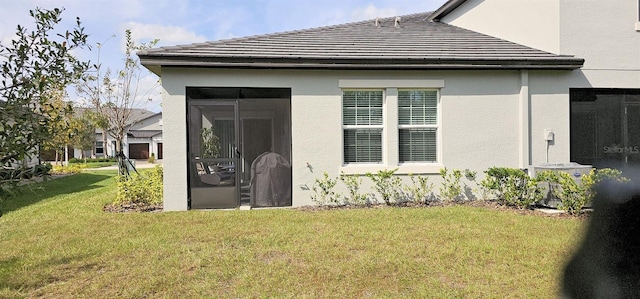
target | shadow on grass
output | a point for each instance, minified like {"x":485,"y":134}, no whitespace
{"x":36,"y":192}
{"x":49,"y":271}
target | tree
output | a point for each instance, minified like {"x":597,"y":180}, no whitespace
{"x":35,"y":63}
{"x":122,"y":92}
{"x":115,"y":98}
{"x":84,"y":131}
{"x":61,"y":113}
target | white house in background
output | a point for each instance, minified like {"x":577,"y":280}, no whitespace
{"x":475,"y":84}
{"x":143,"y":138}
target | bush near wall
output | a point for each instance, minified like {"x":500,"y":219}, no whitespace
{"x":575,"y":195}
{"x":89,"y":160}
{"x":511,"y":187}
{"x":144,"y":188}
{"x":507,"y":186}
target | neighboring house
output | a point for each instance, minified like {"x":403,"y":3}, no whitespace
{"x":476,"y":84}
{"x":143,"y":138}
{"x":8,"y":116}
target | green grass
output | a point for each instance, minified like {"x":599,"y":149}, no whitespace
{"x":59,"y":244}
{"x":97,"y":164}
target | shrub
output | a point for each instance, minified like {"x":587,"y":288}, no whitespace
{"x":353,"y":183}
{"x":89,"y":160}
{"x":387,"y":185}
{"x":511,"y":186}
{"x":419,"y":189}
{"x":450,"y":188}
{"x":141,"y":188}
{"x":323,"y":189}
{"x":41,"y":169}
{"x":152,"y":158}
{"x":68,"y":169}
{"x":574,"y":196}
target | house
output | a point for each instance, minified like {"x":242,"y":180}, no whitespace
{"x":475,"y":84}
{"x":143,"y":137}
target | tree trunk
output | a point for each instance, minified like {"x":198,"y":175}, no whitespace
{"x":104,"y":143}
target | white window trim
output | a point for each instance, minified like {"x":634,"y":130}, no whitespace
{"x":637,"y":27}
{"x":390,"y":127}
{"x":365,"y":127}
{"x":437,"y":126}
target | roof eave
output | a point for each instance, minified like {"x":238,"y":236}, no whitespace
{"x":155,"y":64}
{"x":445,"y":9}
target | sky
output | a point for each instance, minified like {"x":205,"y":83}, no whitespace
{"x":176,"y":22}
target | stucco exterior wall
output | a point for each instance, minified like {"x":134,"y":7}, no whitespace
{"x":533,"y":23}
{"x":479,"y":120}
{"x":152,"y":123}
{"x":605,"y":35}
{"x":550,"y":111}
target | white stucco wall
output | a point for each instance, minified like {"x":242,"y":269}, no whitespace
{"x":480,"y":120}
{"x":534,"y":23}
{"x":604,"y":34}
{"x":151,"y":123}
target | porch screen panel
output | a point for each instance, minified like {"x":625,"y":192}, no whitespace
{"x":418,"y":125}
{"x":225,"y":130}
{"x":362,"y":124}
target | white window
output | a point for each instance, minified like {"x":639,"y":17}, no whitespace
{"x":391,"y":124}
{"x":99,"y":147}
{"x":418,"y":126}
{"x":362,"y":126}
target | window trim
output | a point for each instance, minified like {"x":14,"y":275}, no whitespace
{"x":380,"y":127}
{"x":436,"y":126}
{"x":391,"y":128}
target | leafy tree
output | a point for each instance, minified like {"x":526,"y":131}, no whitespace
{"x":115,"y":97}
{"x":119,"y":93}
{"x":32,"y":65}
{"x":61,"y":113}
{"x":83,"y":130}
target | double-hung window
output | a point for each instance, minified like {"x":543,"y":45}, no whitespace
{"x":362,"y":122}
{"x":418,"y":126}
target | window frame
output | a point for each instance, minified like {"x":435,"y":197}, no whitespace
{"x":390,"y":133}
{"x":436,"y":125}
{"x":355,"y":127}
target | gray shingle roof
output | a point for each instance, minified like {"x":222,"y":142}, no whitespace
{"x":415,"y":44}
{"x":144,"y":133}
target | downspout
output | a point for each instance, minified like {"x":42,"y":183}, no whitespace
{"x":525,"y":120}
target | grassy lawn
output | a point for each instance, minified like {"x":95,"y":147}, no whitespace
{"x":59,"y":244}
{"x":97,"y":164}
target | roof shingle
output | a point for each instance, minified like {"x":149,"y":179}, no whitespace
{"x":416,"y":43}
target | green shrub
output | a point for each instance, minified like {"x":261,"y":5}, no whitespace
{"x":419,"y":189}
{"x":387,"y":185}
{"x":152,"y":158}
{"x":90,"y":160}
{"x":511,"y":186}
{"x":41,"y":169}
{"x":353,"y":183}
{"x":141,"y":188}
{"x":324,"y":193}
{"x":450,"y":188}
{"x":574,"y":196}
{"x":68,"y":169}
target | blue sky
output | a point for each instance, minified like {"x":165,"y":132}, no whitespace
{"x":188,"y":21}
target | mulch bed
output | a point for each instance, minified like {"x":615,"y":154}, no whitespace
{"x":435,"y":204}
{"x":128,"y":208}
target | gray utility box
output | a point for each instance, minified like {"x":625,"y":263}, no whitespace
{"x":574,"y":169}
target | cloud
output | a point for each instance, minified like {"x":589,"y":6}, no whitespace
{"x":168,"y":35}
{"x":372,"y":12}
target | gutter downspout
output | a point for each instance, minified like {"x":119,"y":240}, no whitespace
{"x":525,"y":120}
